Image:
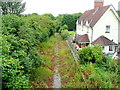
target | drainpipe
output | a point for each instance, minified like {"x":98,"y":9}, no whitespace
{"x":91,"y":37}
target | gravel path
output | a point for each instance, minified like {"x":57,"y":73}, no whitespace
{"x":56,"y":76}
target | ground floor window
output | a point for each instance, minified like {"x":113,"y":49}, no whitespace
{"x":116,"y":48}
{"x":110,"y":48}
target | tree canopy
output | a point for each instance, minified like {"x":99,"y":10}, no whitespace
{"x":69,"y":20}
{"x":14,"y":7}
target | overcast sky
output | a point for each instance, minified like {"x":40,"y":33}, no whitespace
{"x":62,"y":6}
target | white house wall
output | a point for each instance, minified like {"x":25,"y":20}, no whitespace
{"x":83,"y":30}
{"x":107,"y":19}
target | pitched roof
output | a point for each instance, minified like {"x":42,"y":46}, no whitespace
{"x":92,"y":16}
{"x":102,"y":40}
{"x":82,"y":38}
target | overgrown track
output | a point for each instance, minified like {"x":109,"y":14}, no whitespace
{"x":56,"y":77}
{"x":76,"y":58}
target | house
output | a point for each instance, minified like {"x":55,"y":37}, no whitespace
{"x":99,"y":26}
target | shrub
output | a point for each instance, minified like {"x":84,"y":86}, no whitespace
{"x":91,"y":54}
{"x":64,"y":34}
{"x":20,"y":38}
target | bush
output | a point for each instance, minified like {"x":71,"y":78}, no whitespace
{"x":64,"y":34}
{"x":20,"y":39}
{"x":91,"y":54}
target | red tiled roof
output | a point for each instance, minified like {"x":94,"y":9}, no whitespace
{"x":92,"y":16}
{"x":102,"y":40}
{"x":83,"y":38}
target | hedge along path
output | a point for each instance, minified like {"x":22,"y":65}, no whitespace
{"x":76,"y":58}
{"x":56,"y":76}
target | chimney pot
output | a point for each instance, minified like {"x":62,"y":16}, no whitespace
{"x":98,"y":3}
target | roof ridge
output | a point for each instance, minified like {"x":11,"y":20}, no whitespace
{"x":93,"y":15}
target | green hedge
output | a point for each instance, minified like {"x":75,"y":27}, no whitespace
{"x":20,"y":39}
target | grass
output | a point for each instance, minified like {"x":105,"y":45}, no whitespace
{"x":43,"y":75}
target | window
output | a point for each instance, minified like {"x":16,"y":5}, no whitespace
{"x":116,"y":47}
{"x":107,"y":29}
{"x":110,"y":48}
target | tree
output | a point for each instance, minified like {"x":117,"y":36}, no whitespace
{"x":69,"y":21}
{"x":118,"y":13}
{"x":76,"y":16}
{"x":8,"y":7}
{"x":64,"y":27}
{"x":50,"y":15}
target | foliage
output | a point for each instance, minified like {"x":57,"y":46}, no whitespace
{"x":14,"y":7}
{"x":118,"y":13}
{"x":50,"y":15}
{"x":21,"y":37}
{"x":64,"y":27}
{"x":12,"y":70}
{"x":98,"y":77}
{"x":64,"y":34}
{"x":69,"y":20}
{"x":91,"y":54}
{"x":101,"y":71}
{"x":43,"y":73}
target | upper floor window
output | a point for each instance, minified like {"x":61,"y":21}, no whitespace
{"x":107,"y":29}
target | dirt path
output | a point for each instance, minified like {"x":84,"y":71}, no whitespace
{"x":56,"y":76}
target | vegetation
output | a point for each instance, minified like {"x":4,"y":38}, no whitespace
{"x":12,"y":7}
{"x":69,"y":20}
{"x":28,"y":52}
{"x":20,"y":39}
{"x":43,"y":75}
{"x":91,"y":54}
{"x":99,"y":70}
{"x":118,"y":13}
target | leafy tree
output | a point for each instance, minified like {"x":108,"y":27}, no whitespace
{"x":69,"y":20}
{"x":118,"y":13}
{"x":64,"y":27}
{"x":21,"y":38}
{"x":76,"y":16}
{"x":50,"y":15}
{"x":14,"y":7}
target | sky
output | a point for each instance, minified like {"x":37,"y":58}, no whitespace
{"x":57,"y":7}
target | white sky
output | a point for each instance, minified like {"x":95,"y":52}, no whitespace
{"x":62,"y":6}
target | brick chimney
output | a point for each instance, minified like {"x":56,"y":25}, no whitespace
{"x":98,"y":3}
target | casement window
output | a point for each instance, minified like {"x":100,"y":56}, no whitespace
{"x":107,"y":29}
{"x":110,"y":48}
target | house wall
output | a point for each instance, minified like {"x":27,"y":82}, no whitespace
{"x":100,"y":28}
{"x":84,"y":30}
{"x":106,"y":49}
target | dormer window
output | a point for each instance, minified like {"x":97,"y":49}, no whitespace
{"x":107,"y":29}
